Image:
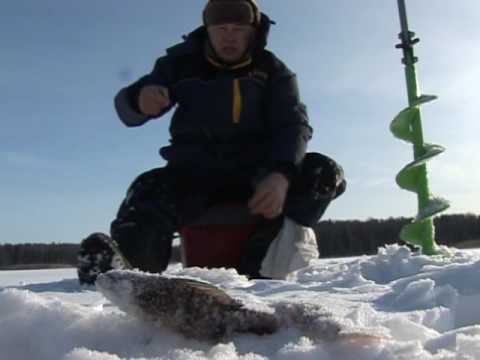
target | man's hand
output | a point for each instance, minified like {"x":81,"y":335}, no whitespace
{"x":153,"y":99}
{"x":269,"y":197}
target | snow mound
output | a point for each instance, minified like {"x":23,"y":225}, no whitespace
{"x":425,"y":308}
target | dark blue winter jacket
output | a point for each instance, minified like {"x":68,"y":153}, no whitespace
{"x":226,"y":118}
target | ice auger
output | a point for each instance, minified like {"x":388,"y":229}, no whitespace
{"x":407,"y":126}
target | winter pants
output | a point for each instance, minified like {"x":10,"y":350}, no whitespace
{"x":161,"y":201}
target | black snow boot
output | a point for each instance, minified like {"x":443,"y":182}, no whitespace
{"x":96,"y":256}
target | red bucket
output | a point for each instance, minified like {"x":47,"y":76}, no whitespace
{"x":216,"y":240}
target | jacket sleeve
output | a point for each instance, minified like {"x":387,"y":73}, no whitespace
{"x":287,"y":123}
{"x":126,"y":100}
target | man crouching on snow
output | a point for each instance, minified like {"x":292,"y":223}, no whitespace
{"x":239,"y":133}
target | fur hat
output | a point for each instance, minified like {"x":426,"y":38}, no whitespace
{"x":231,"y":11}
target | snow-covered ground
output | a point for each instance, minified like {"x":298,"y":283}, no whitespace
{"x":423,"y":307}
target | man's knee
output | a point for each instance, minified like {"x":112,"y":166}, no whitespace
{"x":152,"y":184}
{"x":323,"y":175}
{"x":321,"y":180}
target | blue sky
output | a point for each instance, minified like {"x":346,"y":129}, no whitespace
{"x":66,"y":160}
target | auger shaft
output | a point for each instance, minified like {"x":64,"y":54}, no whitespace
{"x":408,"y":40}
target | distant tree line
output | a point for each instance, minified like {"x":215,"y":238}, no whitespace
{"x":37,"y":255}
{"x":353,"y":237}
{"x":335,"y":238}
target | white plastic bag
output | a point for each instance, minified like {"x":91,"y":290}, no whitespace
{"x":293,"y":248}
